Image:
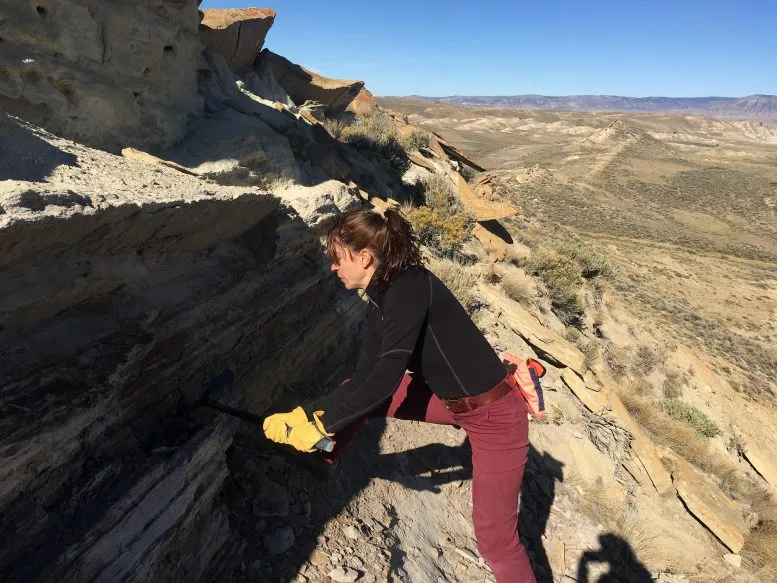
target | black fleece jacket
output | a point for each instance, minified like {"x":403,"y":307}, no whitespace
{"x":414,"y":324}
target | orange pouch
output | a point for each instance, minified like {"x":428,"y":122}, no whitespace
{"x":527,"y":374}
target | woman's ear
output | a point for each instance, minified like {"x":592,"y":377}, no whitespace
{"x":365,"y":258}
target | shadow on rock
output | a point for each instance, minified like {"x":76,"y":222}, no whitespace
{"x":619,"y":556}
{"x":538,"y":492}
{"x":16,"y":143}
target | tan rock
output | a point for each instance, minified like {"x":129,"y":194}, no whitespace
{"x":496,"y":247}
{"x":641,"y":444}
{"x":530,"y":329}
{"x":116,"y":75}
{"x":592,"y":400}
{"x":482,"y":209}
{"x":318,"y":557}
{"x":419,"y":160}
{"x":453,"y":153}
{"x":303,"y":85}
{"x":236,"y":33}
{"x":147,"y":158}
{"x":363,"y":104}
{"x":709,"y":504}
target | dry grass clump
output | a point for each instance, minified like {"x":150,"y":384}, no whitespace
{"x":689,"y":414}
{"x":442,"y":223}
{"x":674,"y":384}
{"x":376,"y":134}
{"x":461,"y":280}
{"x":564,"y":282}
{"x":616,"y":359}
{"x":669,"y":432}
{"x":760,"y":544}
{"x":592,"y":263}
{"x":646,"y":359}
{"x":591,"y":352}
{"x":518,"y":287}
{"x":758,"y":551}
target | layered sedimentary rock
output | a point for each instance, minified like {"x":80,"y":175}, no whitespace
{"x":109,"y":74}
{"x":126,"y":286}
{"x":303,"y":85}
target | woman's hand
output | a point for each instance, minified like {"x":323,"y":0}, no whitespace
{"x":295,"y":429}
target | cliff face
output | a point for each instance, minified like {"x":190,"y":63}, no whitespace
{"x":109,"y":74}
{"x":125,"y":288}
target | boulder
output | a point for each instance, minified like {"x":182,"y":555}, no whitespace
{"x":709,"y":504}
{"x":529,"y":328}
{"x":303,"y":85}
{"x":236,"y":33}
{"x":108,"y":74}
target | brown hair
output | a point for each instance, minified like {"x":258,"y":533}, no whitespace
{"x":390,"y":238}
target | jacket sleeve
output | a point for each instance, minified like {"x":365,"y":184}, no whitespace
{"x":404,"y":315}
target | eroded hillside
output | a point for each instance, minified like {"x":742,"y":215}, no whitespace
{"x":154,"y":252}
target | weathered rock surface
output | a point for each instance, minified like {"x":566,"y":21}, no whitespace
{"x":709,"y":505}
{"x":363,"y":104}
{"x":236,"y":33}
{"x":78,"y":69}
{"x":482,"y":208}
{"x":303,"y":85}
{"x":125,"y":287}
{"x":525,"y":324}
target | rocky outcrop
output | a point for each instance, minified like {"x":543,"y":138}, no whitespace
{"x":530,"y":329}
{"x":77,"y":68}
{"x":303,"y":85}
{"x":236,"y":33}
{"x":126,"y":286}
{"x":481,"y":208}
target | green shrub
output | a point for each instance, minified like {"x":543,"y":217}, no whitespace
{"x":689,"y":414}
{"x":441,"y":231}
{"x":563,"y":279}
{"x":335,"y":127}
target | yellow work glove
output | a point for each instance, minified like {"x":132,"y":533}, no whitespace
{"x":295,"y":429}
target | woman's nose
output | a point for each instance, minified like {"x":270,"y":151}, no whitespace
{"x":333,"y":267}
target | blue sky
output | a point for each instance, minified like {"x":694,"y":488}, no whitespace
{"x":675,"y":48}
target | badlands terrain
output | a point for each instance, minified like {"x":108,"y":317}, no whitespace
{"x":164,"y":188}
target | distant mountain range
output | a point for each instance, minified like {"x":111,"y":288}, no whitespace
{"x":753,"y":106}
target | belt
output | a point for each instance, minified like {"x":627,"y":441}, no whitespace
{"x":472,"y":403}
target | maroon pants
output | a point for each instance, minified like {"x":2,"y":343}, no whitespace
{"x":499,"y":436}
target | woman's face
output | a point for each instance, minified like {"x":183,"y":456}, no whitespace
{"x":354,"y":269}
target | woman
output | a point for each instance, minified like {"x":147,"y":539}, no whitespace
{"x":423,"y":359}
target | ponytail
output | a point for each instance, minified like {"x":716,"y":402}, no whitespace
{"x":390,"y":238}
